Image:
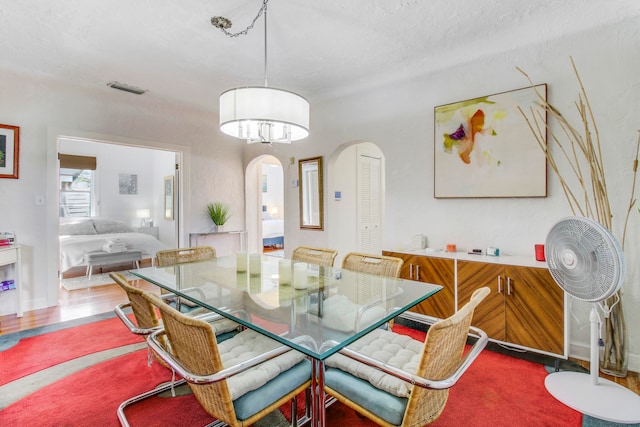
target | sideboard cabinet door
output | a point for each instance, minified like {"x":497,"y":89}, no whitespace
{"x":490,"y":315}
{"x":439,"y":271}
{"x":534,"y":309}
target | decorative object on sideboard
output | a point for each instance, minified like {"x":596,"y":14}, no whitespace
{"x":582,"y":158}
{"x":9,"y":151}
{"x":219,"y":214}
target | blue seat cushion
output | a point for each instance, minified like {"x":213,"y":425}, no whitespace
{"x":387,"y":406}
{"x":255,"y":401}
{"x":225,"y":336}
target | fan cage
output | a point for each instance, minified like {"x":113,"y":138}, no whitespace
{"x":585,"y":259}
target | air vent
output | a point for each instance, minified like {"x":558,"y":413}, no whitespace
{"x":127,"y":88}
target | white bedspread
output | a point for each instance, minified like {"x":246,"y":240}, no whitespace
{"x":273,"y":228}
{"x":73,"y":248}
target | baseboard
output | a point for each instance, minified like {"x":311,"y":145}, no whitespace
{"x":582,"y":352}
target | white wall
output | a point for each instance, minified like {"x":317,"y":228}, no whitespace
{"x":399,"y":119}
{"x":45,"y":109}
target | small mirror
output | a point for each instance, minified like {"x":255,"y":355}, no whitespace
{"x":168,"y":197}
{"x":311,"y":205}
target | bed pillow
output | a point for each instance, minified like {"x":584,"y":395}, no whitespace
{"x":78,"y":228}
{"x":109,"y":226}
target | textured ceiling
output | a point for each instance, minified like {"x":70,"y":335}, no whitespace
{"x":316,"y":48}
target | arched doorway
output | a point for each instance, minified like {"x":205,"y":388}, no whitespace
{"x":264,"y":191}
{"x":356,"y":198}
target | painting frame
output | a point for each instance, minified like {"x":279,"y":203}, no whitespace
{"x":484,"y":148}
{"x":168,"y":197}
{"x":9,"y":151}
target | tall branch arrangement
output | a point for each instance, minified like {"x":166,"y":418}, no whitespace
{"x":587,"y":196}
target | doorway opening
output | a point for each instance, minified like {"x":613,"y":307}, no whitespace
{"x":264,"y":189}
{"x":111,"y":207}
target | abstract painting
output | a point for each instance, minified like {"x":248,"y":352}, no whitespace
{"x":128,"y":183}
{"x":484,"y":147}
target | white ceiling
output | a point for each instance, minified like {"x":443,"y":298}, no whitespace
{"x":316,"y":48}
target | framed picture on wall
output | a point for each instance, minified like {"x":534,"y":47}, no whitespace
{"x":168,"y":197}
{"x":128,"y":183}
{"x":9,"y":151}
{"x":485,"y":148}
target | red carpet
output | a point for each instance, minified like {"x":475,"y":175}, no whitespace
{"x":497,"y":391}
{"x":60,"y":346}
{"x":89,"y":397}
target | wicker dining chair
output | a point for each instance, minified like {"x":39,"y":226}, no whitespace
{"x":373,"y":264}
{"x":237,"y":382}
{"x":147,"y":319}
{"x":169,"y":257}
{"x":412,"y":388}
{"x":182,"y":255}
{"x":318,"y":256}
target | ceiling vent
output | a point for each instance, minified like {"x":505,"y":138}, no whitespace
{"x":127,"y":88}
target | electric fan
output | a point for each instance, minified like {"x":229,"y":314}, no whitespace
{"x":587,"y":262}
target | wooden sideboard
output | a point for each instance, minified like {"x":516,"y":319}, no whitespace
{"x":526,"y":308}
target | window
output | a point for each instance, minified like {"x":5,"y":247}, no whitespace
{"x":76,"y":192}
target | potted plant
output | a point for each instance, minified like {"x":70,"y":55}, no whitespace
{"x":219,"y":214}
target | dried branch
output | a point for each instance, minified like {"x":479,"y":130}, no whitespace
{"x":584,"y":159}
{"x":632,"y":199}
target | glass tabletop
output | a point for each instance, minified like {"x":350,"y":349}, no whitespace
{"x":314,"y":309}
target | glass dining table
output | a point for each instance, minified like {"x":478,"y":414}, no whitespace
{"x":313,"y":309}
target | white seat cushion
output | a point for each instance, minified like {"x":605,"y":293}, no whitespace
{"x":340,"y":313}
{"x":244,"y":346}
{"x":399,"y":351}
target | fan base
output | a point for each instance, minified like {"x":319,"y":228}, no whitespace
{"x":605,"y":400}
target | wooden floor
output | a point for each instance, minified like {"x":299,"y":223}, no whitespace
{"x":87,"y":302}
{"x":72,"y":305}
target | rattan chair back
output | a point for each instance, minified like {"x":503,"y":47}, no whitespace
{"x":182,"y":255}
{"x":373,"y":264}
{"x":443,"y":350}
{"x":442,"y":355}
{"x":194,"y":345}
{"x":143,"y":311}
{"x":318,"y":256}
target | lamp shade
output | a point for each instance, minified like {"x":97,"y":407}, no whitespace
{"x":143,"y":213}
{"x":264,"y":114}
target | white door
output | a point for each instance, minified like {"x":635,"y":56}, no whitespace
{"x":369,"y":206}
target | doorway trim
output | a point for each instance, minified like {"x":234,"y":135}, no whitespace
{"x":52,"y":205}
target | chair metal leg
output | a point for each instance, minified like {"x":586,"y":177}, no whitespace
{"x":156,"y":391}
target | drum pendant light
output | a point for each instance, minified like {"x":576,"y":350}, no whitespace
{"x":262,"y":113}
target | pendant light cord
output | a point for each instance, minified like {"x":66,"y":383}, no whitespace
{"x":223,"y":23}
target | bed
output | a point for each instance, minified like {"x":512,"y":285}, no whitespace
{"x":272,"y":232}
{"x":86,"y":235}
